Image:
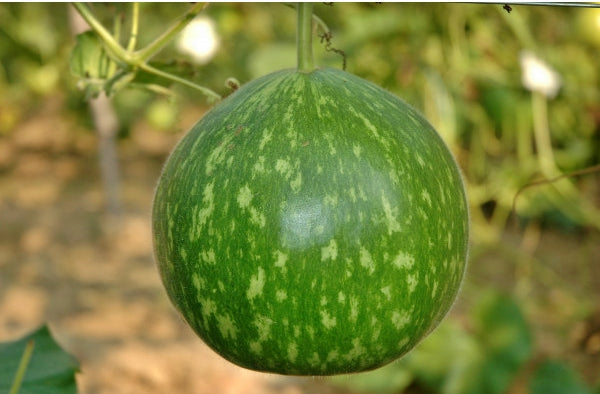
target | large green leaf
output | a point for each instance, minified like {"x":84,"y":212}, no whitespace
{"x":50,"y":370}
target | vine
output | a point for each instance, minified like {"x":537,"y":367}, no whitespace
{"x":326,"y":36}
{"x":583,"y":171}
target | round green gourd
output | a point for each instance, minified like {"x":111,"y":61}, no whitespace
{"x":311,"y":224}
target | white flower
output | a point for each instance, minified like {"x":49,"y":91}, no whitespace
{"x":538,"y":76}
{"x":199,"y":40}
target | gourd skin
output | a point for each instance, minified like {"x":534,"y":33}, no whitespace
{"x":311,"y":224}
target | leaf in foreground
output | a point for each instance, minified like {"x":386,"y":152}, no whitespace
{"x":50,"y":369}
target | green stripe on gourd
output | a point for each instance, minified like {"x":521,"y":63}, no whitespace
{"x":311,"y":224}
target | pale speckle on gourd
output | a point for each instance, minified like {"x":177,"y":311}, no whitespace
{"x":257,"y":217}
{"x":390,"y":215}
{"x":208,"y":256}
{"x":328,"y":320}
{"x":257,"y":282}
{"x":280,"y":260}
{"x":330,"y":251}
{"x":366,"y":260}
{"x":281,"y":295}
{"x":357,"y":351}
{"x":387,"y":292}
{"x":400,"y":319}
{"x":284,"y":168}
{"x":403,"y":260}
{"x":244,"y":197}
{"x":292,"y":351}
{"x":412,"y":281}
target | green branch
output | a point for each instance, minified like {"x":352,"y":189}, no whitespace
{"x":134,"y":27}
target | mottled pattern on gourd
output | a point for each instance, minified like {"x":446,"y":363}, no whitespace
{"x":311,"y":223}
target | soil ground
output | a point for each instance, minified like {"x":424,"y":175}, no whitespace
{"x":93,"y":279}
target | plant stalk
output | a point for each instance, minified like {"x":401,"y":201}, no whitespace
{"x":541,"y":134}
{"x":304,"y":37}
{"x":135,"y":11}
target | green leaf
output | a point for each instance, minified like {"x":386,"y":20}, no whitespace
{"x":556,"y":377}
{"x":88,"y":58}
{"x":90,"y":63}
{"x":50,"y":370}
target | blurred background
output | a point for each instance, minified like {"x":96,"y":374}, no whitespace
{"x":516,"y":96}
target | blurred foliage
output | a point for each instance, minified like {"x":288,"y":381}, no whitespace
{"x":556,"y":377}
{"x":457,"y":63}
{"x":33,"y":57}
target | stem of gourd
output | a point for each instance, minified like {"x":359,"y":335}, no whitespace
{"x":304,"y":37}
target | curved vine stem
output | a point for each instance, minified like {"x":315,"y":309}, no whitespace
{"x":321,"y":23}
{"x":583,"y":171}
{"x":212,"y":95}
